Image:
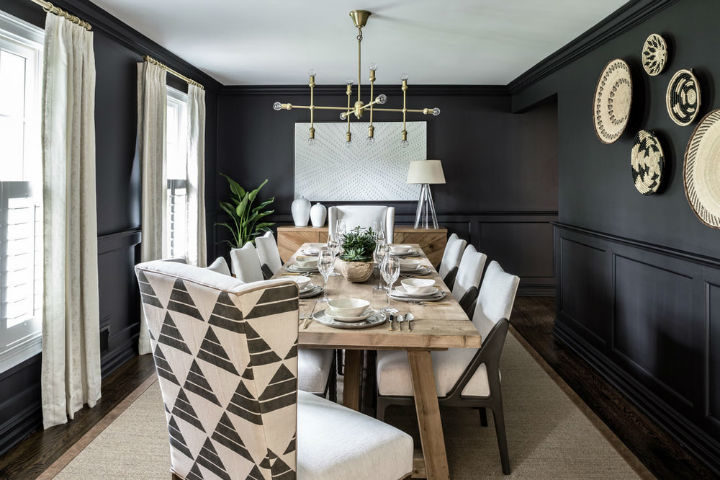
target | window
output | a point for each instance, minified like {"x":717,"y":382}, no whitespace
{"x":20,"y":191}
{"x":176,"y":168}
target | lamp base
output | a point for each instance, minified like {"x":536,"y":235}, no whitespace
{"x":425,"y":209}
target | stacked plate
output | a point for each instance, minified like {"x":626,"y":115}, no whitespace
{"x":417,"y":289}
{"x":349,"y":313}
{"x":402,"y":251}
{"x":306,"y":287}
{"x":414,"y":267}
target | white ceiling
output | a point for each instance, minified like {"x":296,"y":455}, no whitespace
{"x":266,"y":42}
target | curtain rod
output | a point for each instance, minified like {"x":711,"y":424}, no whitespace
{"x":190,"y":81}
{"x":49,"y":7}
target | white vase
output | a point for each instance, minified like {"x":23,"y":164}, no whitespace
{"x":300,"y":211}
{"x":318,"y":214}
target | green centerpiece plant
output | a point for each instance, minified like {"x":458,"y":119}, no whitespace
{"x":246,"y":220}
{"x":356,"y":261}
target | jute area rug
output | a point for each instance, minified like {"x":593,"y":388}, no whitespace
{"x":551,"y":434}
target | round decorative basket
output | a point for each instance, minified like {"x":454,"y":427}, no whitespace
{"x":647,"y":163}
{"x":654,"y":54}
{"x":356,"y":272}
{"x":701,"y":172}
{"x":683,"y":97}
{"x":613,"y":97}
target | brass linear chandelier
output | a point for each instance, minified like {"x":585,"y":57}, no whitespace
{"x":360,"y":18}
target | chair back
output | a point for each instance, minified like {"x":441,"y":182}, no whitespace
{"x":451,"y":239}
{"x":226,"y":358}
{"x":452,"y":255}
{"x":469,"y":273}
{"x":268,"y":252}
{"x":495,"y":299}
{"x":246,"y":264}
{"x":363,"y":216}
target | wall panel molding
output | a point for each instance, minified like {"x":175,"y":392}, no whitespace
{"x":659,"y":309}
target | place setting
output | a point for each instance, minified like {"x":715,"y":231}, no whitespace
{"x":417,"y":290}
{"x":412,"y":267}
{"x":404,"y":251}
{"x":349,"y":313}
{"x":306,"y":288}
{"x":304,"y":264}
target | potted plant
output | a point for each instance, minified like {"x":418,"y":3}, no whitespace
{"x":356,"y":261}
{"x":246,"y":219}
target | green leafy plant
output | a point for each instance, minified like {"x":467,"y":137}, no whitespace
{"x":246,"y":218}
{"x":358,"y":245}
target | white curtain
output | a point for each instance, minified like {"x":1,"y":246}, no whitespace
{"x":196,"y":242}
{"x":152,"y":112}
{"x":71,"y":326}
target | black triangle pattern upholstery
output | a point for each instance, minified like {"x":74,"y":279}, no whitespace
{"x":228,"y":360}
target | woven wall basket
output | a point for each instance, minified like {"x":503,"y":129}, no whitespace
{"x":647,"y":163}
{"x":702,"y":170}
{"x":654,"y":54}
{"x":613,"y":97}
{"x":683,"y":97}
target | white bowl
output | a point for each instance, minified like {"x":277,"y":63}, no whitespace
{"x":306,"y":260}
{"x":409,"y":265}
{"x":400,"y":249}
{"x":418,"y":286}
{"x":348,"y":307}
{"x":302,"y":282}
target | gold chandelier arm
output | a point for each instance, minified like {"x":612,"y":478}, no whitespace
{"x":348,"y":135}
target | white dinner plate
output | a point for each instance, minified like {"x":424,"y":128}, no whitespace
{"x":295,"y":268}
{"x":344,"y":318}
{"x":400,"y":291}
{"x":313,"y":292}
{"x":377,"y":318}
{"x":434,"y":298}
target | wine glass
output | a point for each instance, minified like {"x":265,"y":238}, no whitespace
{"x":390,"y":269}
{"x":333,"y":244}
{"x":380,"y":235}
{"x":381,"y":249}
{"x":326,"y":262}
{"x":341,"y":229}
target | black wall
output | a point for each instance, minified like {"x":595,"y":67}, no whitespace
{"x":639,"y":276}
{"x":500,"y":167}
{"x":117,"y":50}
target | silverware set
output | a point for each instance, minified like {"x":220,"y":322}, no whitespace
{"x":400,"y":319}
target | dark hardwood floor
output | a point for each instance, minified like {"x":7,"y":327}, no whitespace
{"x":533,"y":318}
{"x":38,"y":451}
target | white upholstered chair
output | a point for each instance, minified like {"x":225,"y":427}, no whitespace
{"x":363,"y":216}
{"x":226,"y":358}
{"x":467,"y":280}
{"x":463,"y":377}
{"x":316,"y":374}
{"x":269,"y":254}
{"x":451,"y":259}
{"x":246,"y":264}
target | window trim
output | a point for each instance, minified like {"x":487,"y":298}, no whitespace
{"x":15,"y":30}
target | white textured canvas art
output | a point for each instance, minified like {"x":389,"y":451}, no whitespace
{"x":330,"y":170}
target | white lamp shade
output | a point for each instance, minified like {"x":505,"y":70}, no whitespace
{"x":426,"y":171}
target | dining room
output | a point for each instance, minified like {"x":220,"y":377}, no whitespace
{"x":336,"y":240}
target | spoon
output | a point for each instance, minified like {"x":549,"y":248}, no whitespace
{"x":410,"y":318}
{"x":400,"y":321}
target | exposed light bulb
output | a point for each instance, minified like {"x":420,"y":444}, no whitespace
{"x":404,"y":144}
{"x":311,"y":141}
{"x":373,"y":67}
{"x":348,"y":144}
{"x":311,"y":72}
{"x":404,"y":77}
{"x":371,"y":140}
{"x":343,"y":116}
{"x":435,"y":111}
{"x":381,"y":99}
{"x":349,"y":82}
{"x":277,"y":106}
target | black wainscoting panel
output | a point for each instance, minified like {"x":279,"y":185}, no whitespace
{"x":583,"y":273}
{"x":523,"y":248}
{"x":20,"y":411}
{"x":655,"y":327}
{"x":659,"y":311}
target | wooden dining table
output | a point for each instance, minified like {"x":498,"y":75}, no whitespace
{"x":437,"y":326}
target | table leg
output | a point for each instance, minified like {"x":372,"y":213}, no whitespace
{"x":428,"y":413}
{"x":352,"y":379}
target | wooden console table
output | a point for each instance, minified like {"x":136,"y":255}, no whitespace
{"x":431,"y":240}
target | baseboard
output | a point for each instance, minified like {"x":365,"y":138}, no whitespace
{"x":118,"y":356}
{"x":706,"y":448}
{"x":20,"y":426}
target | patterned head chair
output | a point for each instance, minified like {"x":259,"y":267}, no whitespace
{"x":226,"y":359}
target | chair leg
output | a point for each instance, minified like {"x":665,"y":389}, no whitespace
{"x":174,"y":477}
{"x":483,"y":417}
{"x":499,"y":419}
{"x":380,"y":408}
{"x":339,"y":357}
{"x":332,"y":387}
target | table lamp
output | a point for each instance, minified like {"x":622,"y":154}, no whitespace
{"x":426,"y":173}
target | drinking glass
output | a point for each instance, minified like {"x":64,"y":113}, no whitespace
{"x":390,"y":269}
{"x":380,"y":235}
{"x":333,"y":244}
{"x":381,"y":250}
{"x":326,"y":262}
{"x":341,"y":229}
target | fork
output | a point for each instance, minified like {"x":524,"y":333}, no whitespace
{"x":308,"y":318}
